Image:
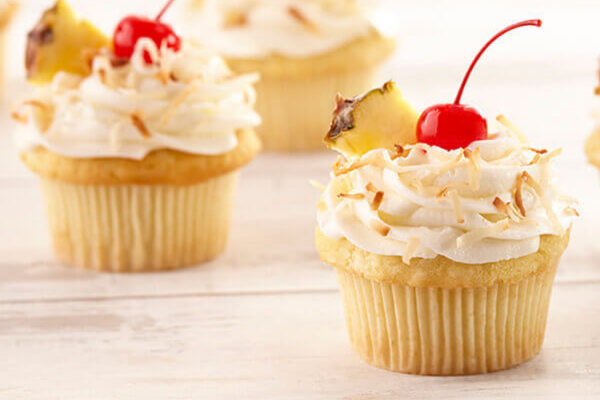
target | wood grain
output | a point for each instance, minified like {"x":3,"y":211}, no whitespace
{"x":243,"y":346}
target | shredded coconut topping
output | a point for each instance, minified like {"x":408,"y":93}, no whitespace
{"x":186,"y":100}
{"x":488,"y":202}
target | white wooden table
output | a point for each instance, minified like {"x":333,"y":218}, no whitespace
{"x":265,"y":321}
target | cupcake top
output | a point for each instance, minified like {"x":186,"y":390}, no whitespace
{"x":490,"y":201}
{"x":442,"y":184}
{"x":291,"y":28}
{"x":187,"y":101}
{"x":177,"y":96}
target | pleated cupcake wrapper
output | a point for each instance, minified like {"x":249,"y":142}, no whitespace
{"x":297,"y":112}
{"x":436,"y":331}
{"x":135,"y":228}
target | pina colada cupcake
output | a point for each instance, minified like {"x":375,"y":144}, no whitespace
{"x":592,"y":145}
{"x":445,"y":235}
{"x":306,"y":51}
{"x":138,"y":142}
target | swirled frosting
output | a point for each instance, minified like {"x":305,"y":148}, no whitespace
{"x":489,"y":202}
{"x":187,"y":101}
{"x":291,"y":28}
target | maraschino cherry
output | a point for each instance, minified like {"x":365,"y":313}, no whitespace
{"x":133,"y":27}
{"x":453,"y":126}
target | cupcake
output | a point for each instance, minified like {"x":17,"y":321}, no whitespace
{"x":7,"y":10}
{"x":445,"y":235}
{"x":592,"y":145}
{"x":138,"y":142}
{"x":306,"y":51}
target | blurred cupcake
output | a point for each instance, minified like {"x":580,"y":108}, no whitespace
{"x":592,"y":145}
{"x":7,"y":10}
{"x":138,"y":142}
{"x":445,"y":253}
{"x":306,"y":51}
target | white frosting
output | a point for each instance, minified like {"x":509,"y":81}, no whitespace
{"x":415,"y":214}
{"x":270,"y":27}
{"x":198,"y":112}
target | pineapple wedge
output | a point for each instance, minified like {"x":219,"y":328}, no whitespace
{"x":378,"y":119}
{"x":61,"y":42}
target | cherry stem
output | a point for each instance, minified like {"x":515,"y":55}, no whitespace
{"x":164,"y":10}
{"x":530,"y":22}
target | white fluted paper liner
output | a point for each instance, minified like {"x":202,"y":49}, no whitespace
{"x":436,"y":331}
{"x":134,"y":228}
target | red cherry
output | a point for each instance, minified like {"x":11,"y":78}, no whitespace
{"x":132,"y":28}
{"x":453,"y":126}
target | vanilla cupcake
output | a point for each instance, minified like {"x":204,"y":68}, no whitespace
{"x":306,"y":51}
{"x":445,"y":235}
{"x":7,"y":10}
{"x":138,"y":157}
{"x":445,"y":259}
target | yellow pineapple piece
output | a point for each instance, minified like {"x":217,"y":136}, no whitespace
{"x":61,"y":42}
{"x":378,"y":119}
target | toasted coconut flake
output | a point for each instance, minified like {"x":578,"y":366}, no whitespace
{"x":474,"y":157}
{"x":508,"y":209}
{"x":170,"y":111}
{"x":20,"y":118}
{"x":140,"y":125}
{"x":379,"y":227}
{"x":570,"y":210}
{"x":410,"y":249}
{"x":546,"y":157}
{"x":538,"y":151}
{"x":301,"y":18}
{"x":375,"y":202}
{"x":371,"y":188}
{"x":514,"y":213}
{"x":479,"y":234}
{"x":536,"y":159}
{"x":354,"y":165}
{"x":519,"y":195}
{"x":444,"y":191}
{"x":457,"y":207}
{"x":352,"y":196}
{"x":532,"y":183}
{"x":317,"y":185}
{"x":512,"y":128}
{"x":500,"y":205}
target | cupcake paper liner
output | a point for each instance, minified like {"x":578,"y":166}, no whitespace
{"x":297,"y":112}
{"x":136,"y":228}
{"x":438,"y":331}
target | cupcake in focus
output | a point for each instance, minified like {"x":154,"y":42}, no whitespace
{"x":445,"y":235}
{"x":7,"y":11}
{"x":306,"y":51}
{"x":138,"y":142}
